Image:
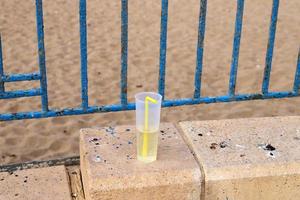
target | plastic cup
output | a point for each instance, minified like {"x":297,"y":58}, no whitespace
{"x":148,"y":106}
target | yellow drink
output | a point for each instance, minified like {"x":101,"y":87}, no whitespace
{"x":147,"y":146}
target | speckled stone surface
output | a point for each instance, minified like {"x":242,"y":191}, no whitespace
{"x":110,"y":169}
{"x":35,"y":184}
{"x":248,"y":159}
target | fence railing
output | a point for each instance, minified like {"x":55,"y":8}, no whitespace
{"x":124,"y":104}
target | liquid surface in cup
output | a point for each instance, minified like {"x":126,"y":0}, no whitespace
{"x":147,"y":146}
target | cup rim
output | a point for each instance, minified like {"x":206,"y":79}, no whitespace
{"x":137,"y":99}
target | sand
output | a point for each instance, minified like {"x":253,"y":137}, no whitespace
{"x":58,"y":137}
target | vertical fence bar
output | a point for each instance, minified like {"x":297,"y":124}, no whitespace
{"x":200,"y":46}
{"x":270,"y":48}
{"x":1,"y":68}
{"x":163,"y":47}
{"x":83,"y":54}
{"x":124,"y":51}
{"x":41,"y":52}
{"x":297,"y":75}
{"x":236,"y":46}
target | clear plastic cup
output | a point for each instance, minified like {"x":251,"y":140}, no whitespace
{"x":148,"y":106}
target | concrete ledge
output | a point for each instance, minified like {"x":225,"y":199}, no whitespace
{"x":247,"y":159}
{"x":110,"y":169}
{"x":35,"y":184}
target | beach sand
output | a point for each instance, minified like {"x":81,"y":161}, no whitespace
{"x":58,"y":137}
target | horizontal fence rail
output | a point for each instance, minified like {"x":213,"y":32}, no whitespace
{"x":124,"y":104}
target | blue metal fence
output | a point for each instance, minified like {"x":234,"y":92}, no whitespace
{"x":124,"y":105}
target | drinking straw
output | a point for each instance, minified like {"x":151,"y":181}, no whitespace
{"x":146,"y":127}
